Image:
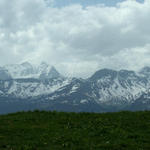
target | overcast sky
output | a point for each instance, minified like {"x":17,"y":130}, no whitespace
{"x":78,"y":37}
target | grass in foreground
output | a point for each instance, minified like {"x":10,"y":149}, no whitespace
{"x":71,"y":131}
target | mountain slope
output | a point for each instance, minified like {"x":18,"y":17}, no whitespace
{"x":105,"y":90}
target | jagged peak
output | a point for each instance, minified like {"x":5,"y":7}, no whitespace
{"x":145,"y":69}
{"x":53,"y":69}
{"x":49,"y":73}
{"x":27,"y":70}
{"x":103,"y":73}
{"x":43,"y":63}
{"x":126,"y":72}
{"x":43,"y":67}
{"x":26,"y":64}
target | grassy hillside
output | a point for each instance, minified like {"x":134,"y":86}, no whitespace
{"x":70,"y":131}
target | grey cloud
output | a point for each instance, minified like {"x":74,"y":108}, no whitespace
{"x":75,"y":39}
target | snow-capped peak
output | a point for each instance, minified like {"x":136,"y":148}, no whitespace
{"x":27,"y":70}
{"x":24,"y":70}
{"x":26,"y":65}
{"x":49,"y":72}
{"x":104,"y":73}
{"x":145,"y":71}
{"x":43,"y":68}
{"x":53,"y":72}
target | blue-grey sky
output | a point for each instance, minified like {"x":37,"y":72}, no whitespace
{"x":78,"y":37}
{"x":61,"y":3}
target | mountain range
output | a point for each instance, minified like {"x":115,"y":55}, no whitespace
{"x":28,"y":87}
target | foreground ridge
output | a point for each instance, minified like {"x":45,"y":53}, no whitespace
{"x":65,"y":131}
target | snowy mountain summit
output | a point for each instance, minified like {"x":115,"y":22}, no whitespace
{"x":25,"y":87}
{"x":27,"y":70}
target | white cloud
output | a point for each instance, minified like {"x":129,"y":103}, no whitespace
{"x":77,"y":40}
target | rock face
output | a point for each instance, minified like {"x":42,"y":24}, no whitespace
{"x":24,"y":87}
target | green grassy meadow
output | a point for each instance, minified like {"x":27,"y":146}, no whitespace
{"x":41,"y":130}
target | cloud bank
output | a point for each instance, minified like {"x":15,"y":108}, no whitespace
{"x":77,"y":40}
